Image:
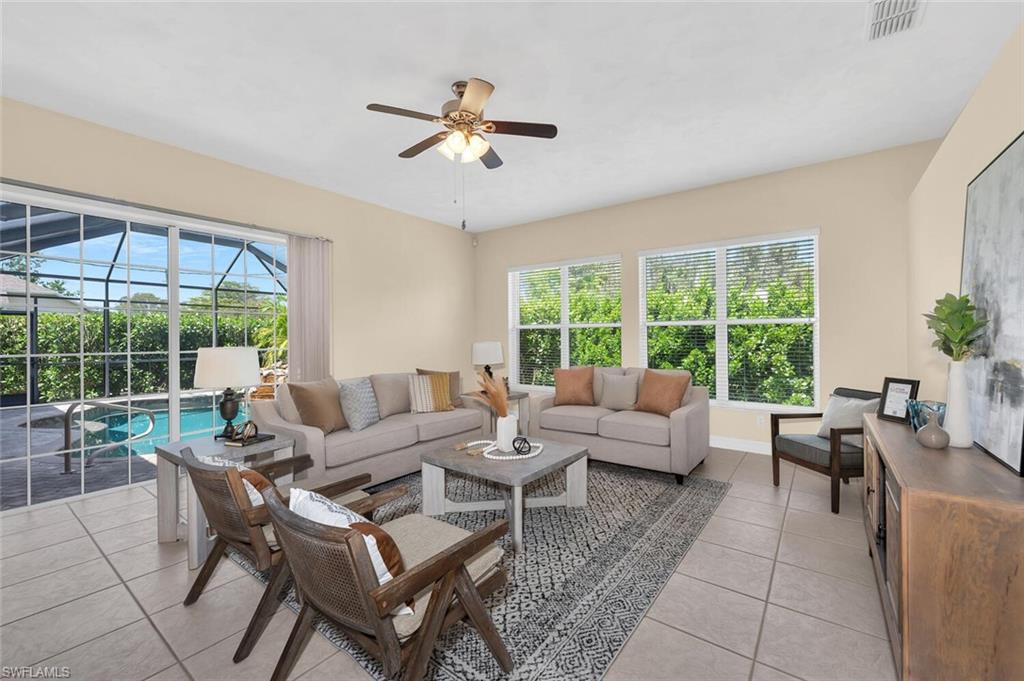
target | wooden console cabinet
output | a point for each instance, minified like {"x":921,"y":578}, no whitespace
{"x":946,"y":535}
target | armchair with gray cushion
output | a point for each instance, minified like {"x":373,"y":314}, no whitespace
{"x":832,"y":456}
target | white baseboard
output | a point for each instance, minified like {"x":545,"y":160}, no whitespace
{"x":755,"y":446}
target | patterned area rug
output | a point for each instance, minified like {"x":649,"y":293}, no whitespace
{"x":583,"y":582}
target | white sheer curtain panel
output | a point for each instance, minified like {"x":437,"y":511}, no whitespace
{"x":309,"y":308}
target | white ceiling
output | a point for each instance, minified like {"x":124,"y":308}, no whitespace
{"x":648,"y":98}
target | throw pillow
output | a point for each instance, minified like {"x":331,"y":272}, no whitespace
{"x":392,"y":393}
{"x":455,"y":381}
{"x":846,"y":412}
{"x":661,"y":393}
{"x":359,"y":403}
{"x":253,"y":482}
{"x":619,"y":392}
{"x":574,"y":386}
{"x":384,"y":553}
{"x":318,"y":404}
{"x":430,"y":393}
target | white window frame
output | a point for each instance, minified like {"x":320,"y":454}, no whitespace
{"x":174,"y":223}
{"x":721,"y":322}
{"x":564,"y":326}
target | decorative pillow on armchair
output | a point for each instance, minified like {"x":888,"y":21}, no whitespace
{"x":846,"y":412}
{"x":384,"y":554}
{"x":574,"y":386}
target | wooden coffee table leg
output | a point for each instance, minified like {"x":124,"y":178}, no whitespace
{"x":433,"y":490}
{"x":516,"y":519}
{"x":576,"y":483}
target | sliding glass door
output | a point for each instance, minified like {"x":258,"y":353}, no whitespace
{"x":86,"y":322}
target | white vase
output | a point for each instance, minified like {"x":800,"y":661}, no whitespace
{"x":958,"y":411}
{"x":507,"y":430}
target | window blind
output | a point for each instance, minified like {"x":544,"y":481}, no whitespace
{"x":770,"y":281}
{"x":681,"y":286}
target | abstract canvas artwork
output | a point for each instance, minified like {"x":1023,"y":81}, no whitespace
{"x":993,"y":275}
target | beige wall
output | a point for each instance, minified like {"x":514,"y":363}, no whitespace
{"x":859,"y":204}
{"x":992,"y":119}
{"x":403,"y":287}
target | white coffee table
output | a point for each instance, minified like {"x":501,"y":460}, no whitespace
{"x":511,"y":475}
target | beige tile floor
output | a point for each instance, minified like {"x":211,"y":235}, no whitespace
{"x":776,"y":587}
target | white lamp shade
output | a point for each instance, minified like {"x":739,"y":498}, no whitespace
{"x":487,"y":352}
{"x":219,"y":368}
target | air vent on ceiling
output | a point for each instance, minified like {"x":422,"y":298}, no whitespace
{"x":892,"y":16}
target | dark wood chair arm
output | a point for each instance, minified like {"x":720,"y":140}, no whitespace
{"x":409,"y":583}
{"x":778,"y":416}
{"x":374,"y":501}
{"x":333,"y":489}
{"x":835,"y":441}
{"x":292,"y":464}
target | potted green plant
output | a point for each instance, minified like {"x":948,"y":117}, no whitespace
{"x":957,"y":328}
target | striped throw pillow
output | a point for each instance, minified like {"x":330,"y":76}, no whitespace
{"x":430,"y":392}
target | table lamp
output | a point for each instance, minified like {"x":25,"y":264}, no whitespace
{"x":227,"y":368}
{"x":487,"y":353}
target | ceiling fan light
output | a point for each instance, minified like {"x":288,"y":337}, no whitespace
{"x":457,"y":141}
{"x":478,"y":146}
{"x":445,"y":151}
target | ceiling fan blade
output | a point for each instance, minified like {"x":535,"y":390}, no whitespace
{"x":394,"y":110}
{"x":491,"y":160}
{"x":420,"y":147}
{"x":545,"y":130}
{"x":476,"y":95}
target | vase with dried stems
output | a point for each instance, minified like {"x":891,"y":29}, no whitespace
{"x":496,"y":397}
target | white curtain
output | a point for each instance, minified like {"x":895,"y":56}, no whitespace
{"x":309,"y":308}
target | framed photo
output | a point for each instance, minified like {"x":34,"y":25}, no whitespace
{"x":895,"y":393}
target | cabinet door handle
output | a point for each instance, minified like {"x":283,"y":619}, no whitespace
{"x":870,"y":489}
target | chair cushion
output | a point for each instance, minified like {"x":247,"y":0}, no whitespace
{"x":815,"y":449}
{"x":574,"y":386}
{"x":359,"y":403}
{"x":420,"y":537}
{"x":434,"y":425}
{"x":392,"y":391}
{"x":635,"y":426}
{"x":573,"y":418}
{"x":346,"y":446}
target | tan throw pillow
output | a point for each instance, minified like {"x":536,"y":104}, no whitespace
{"x":574,"y":386}
{"x":454,"y":381}
{"x":429,"y":393}
{"x":661,"y":393}
{"x":318,"y":404}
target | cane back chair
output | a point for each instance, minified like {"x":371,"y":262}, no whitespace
{"x":335,"y":578}
{"x":245,"y":528}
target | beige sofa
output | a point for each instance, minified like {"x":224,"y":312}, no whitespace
{"x":386,"y":450}
{"x":673,"y":444}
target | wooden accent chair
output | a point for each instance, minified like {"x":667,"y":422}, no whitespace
{"x":246,"y":528}
{"x":829,"y":456}
{"x":335,"y":578}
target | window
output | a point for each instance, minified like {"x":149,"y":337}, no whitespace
{"x":90,"y":301}
{"x":742,"y":317}
{"x":562,"y":316}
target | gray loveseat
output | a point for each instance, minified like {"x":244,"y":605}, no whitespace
{"x":386,"y":450}
{"x":672,"y":444}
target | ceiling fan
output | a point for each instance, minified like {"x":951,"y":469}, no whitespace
{"x":463,"y":119}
